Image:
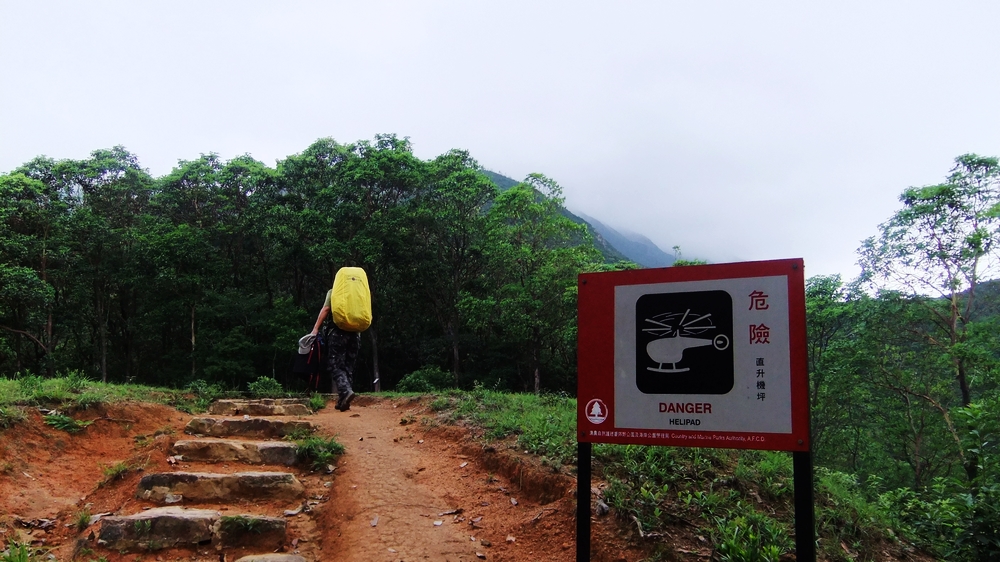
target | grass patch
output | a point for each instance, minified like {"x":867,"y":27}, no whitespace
{"x":317,"y":402}
{"x":317,"y":451}
{"x":235,"y":524}
{"x":543,"y":425}
{"x":741,"y":499}
{"x":66,"y":423}
{"x":113,"y":472}
{"x":11,"y":416}
{"x":76,"y":391}
{"x":82,"y":519}
{"x":20,"y":552}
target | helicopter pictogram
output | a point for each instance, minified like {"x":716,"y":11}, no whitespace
{"x":675,"y":332}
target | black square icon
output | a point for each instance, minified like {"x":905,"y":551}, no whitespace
{"x":683,"y":343}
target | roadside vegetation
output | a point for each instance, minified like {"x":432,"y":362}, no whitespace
{"x":740,"y":502}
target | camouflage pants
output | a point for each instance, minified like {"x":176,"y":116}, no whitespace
{"x":342,"y":352}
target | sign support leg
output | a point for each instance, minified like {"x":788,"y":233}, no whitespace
{"x":805,"y":516}
{"x":583,"y":453}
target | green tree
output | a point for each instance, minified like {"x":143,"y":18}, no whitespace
{"x":535,"y":255}
{"x":447,"y":245}
{"x":37,"y":206}
{"x":937,"y":249}
{"x":114,"y":196}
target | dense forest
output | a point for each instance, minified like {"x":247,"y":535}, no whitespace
{"x":211,"y":273}
{"x":214,"y":271}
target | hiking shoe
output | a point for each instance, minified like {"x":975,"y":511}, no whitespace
{"x":344,"y":402}
{"x":347,"y":401}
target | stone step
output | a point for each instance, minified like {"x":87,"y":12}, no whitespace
{"x":252,"y":452}
{"x":171,"y":487}
{"x":272,"y":558}
{"x":166,"y":527}
{"x":261,"y":407}
{"x":259,"y":428}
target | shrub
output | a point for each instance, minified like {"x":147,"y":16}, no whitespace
{"x":426,"y":379}
{"x":114,"y":472}
{"x":265,"y":387}
{"x":10,"y":415}
{"x":319,"y":452}
{"x":82,"y":519}
{"x":17,"y":552}
{"x":66,"y":423}
{"x":317,"y":402}
{"x":750,"y":537}
{"x":76,"y":382}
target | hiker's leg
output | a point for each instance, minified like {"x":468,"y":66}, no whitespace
{"x":340,"y":344}
{"x":353,"y":345}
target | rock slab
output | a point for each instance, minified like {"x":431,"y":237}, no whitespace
{"x":164,"y":527}
{"x":252,"y":452}
{"x":158,"y":528}
{"x":257,"y":428}
{"x":262,"y":407}
{"x":206,"y":486}
{"x":272,"y":558}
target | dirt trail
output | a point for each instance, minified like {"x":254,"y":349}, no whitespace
{"x":404,"y":478}
{"x":401,"y":473}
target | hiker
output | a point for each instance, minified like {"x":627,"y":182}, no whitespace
{"x":341,"y":354}
{"x":351,"y":316}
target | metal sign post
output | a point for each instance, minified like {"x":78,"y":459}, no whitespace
{"x":696,"y":356}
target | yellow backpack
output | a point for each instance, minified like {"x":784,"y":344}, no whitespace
{"x":351,"y":301}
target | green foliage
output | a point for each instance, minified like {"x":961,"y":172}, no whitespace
{"x":10,"y":416}
{"x":953,"y":517}
{"x":76,"y":382}
{"x":425,"y":380}
{"x":66,"y":423}
{"x":317,"y":402}
{"x":143,"y":527}
{"x":214,"y":268}
{"x":30,"y":389}
{"x":846,"y":513}
{"x":82,"y":519}
{"x":239,"y":524}
{"x":317,"y":451}
{"x":204,"y":394}
{"x":114,"y":472}
{"x":772,"y":471}
{"x":441,"y":403}
{"x":750,"y":537}
{"x":544,"y":425}
{"x":265,"y":387}
{"x":19,"y":552}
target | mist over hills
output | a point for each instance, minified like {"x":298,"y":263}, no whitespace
{"x":635,"y":246}
{"x":613,"y":244}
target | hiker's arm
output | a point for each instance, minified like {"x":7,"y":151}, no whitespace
{"x":319,"y":319}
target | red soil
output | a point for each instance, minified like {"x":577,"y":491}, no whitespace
{"x":407,"y":475}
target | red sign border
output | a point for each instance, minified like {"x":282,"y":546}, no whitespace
{"x":595,"y":355}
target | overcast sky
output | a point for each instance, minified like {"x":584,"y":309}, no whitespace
{"x":736,"y":130}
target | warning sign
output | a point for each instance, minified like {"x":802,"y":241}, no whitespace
{"x":699,"y":356}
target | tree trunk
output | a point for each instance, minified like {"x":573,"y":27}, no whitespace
{"x":193,"y":361}
{"x":536,"y":361}
{"x":377,"y":381}
{"x":456,"y":362}
{"x":103,"y":337}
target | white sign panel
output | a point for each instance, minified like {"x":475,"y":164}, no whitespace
{"x":703,"y":356}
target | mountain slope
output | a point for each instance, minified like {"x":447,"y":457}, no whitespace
{"x":614,"y":246}
{"x":637,"y":247}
